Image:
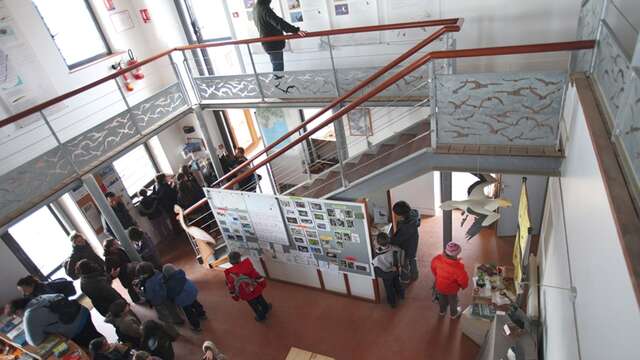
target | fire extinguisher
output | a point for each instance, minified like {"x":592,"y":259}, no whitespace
{"x":137,"y":72}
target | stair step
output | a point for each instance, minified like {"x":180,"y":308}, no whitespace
{"x":384,"y":148}
{"x":405,"y":138}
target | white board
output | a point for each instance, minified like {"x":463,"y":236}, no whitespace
{"x":266,"y":218}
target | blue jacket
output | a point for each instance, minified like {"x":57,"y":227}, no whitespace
{"x":154,"y":289}
{"x":39,"y":321}
{"x":180,"y":290}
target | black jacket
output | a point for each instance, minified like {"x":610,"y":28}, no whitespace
{"x":167,"y":197}
{"x":97,"y":286}
{"x":80,"y":253}
{"x":123,"y":215}
{"x":406,"y":236}
{"x":149,"y":207}
{"x":270,"y":24}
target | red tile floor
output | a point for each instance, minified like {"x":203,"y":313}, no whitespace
{"x":333,"y":325}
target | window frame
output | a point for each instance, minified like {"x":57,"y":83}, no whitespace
{"x":152,"y":159}
{"x":96,"y":23}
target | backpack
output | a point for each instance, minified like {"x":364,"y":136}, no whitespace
{"x":62,"y":286}
{"x":243,"y":285}
{"x":67,"y":310}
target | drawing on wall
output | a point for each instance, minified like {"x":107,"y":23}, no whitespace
{"x":296,"y":17}
{"x":341,"y":9}
{"x":360,"y":122}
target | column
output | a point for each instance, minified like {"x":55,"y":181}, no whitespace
{"x":445,"y":195}
{"x":217,"y":166}
{"x":105,"y":209}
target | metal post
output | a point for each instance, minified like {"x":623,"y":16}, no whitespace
{"x":180,"y":79}
{"x":255,"y":73}
{"x":105,"y":209}
{"x":126,"y":104}
{"x":333,"y":66}
{"x":447,"y":219}
{"x":433,"y":102}
{"x":217,"y":166}
{"x":341,"y":147}
{"x":57,"y":139}
{"x":190,"y":74}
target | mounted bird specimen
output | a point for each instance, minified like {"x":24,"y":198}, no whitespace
{"x":480,"y":206}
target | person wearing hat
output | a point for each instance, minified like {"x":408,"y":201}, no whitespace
{"x":450,"y":277}
{"x":406,"y":238}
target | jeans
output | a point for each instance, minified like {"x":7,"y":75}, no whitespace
{"x":277,"y":60}
{"x":194,"y":313}
{"x":260,"y":307}
{"x":393,"y":289}
{"x":448,"y":300}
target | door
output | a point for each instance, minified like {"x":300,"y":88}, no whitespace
{"x":510,"y":189}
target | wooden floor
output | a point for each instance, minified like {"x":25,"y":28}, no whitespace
{"x":334,"y":325}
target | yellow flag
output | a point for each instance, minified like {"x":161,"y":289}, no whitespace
{"x":520,"y":246}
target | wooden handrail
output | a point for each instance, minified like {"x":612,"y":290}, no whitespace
{"x":352,"y":30}
{"x":435,"y":55}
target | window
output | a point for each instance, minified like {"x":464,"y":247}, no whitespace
{"x":136,"y":169}
{"x":243,"y":129}
{"x":44,"y":240}
{"x":74,"y":30}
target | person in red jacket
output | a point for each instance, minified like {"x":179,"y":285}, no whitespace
{"x":245,"y":283}
{"x":450,"y":278}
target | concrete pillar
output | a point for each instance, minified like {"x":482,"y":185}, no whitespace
{"x":105,"y":209}
{"x":217,"y":166}
{"x":447,"y":219}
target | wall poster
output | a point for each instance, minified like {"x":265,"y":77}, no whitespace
{"x":329,"y":235}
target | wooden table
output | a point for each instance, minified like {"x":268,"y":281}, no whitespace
{"x":299,"y":354}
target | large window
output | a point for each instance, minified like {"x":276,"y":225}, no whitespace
{"x":74,"y":29}
{"x":136,"y":169}
{"x":43,"y":242}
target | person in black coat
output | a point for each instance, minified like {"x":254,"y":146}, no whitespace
{"x":125,"y":271}
{"x":81,"y":251}
{"x":121,"y":211}
{"x":167,"y":199}
{"x":269,"y":24}
{"x":97,"y":286}
{"x":149,"y":207}
{"x":406,"y":237}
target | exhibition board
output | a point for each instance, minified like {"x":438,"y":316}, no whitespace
{"x":331,"y":236}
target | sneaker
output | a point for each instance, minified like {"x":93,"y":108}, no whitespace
{"x":260,"y":319}
{"x":457,"y":315}
{"x":443,"y":314}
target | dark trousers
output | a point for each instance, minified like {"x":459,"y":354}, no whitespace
{"x":410,"y":270}
{"x":450,"y":301}
{"x":194,"y":313}
{"x":277,"y":60}
{"x":87,"y":334}
{"x":260,"y":307}
{"x":393,"y":288}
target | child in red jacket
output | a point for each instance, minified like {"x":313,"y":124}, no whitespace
{"x":245,"y":283}
{"x":450,"y":278}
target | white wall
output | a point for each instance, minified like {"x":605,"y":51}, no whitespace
{"x":419,"y":193}
{"x":606,"y":307}
{"x":11,"y":270}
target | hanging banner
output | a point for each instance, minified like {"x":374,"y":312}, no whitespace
{"x":521,"y":246}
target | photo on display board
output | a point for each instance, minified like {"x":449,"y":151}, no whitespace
{"x":297,"y":232}
{"x":304,"y":249}
{"x":311,"y":234}
{"x":346,"y":236}
{"x":231,"y":237}
{"x":285,"y":203}
{"x":316,"y":250}
{"x":333,"y":222}
{"x":348,"y":214}
{"x":300,"y":204}
{"x":290,"y":212}
{"x":350,"y":265}
{"x":303,"y":213}
{"x":222,"y":222}
{"x":293,"y":4}
{"x":299,"y":240}
{"x":343,"y":263}
{"x":314,"y":242}
{"x":362,"y":267}
{"x":337,"y":235}
{"x":306,"y":221}
{"x":246,"y":226}
{"x":315,"y":206}
{"x":331,"y":213}
{"x":318,"y":216}
{"x":339,"y":222}
{"x":292,"y":220}
{"x":296,"y":17}
{"x":342,"y":9}
{"x":243,"y":218}
{"x":349,"y":223}
{"x":249,"y":232}
{"x":225,"y":229}
{"x":322,"y":226}
{"x":339,"y":244}
{"x":331,"y":254}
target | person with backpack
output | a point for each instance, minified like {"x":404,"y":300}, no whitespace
{"x":54,"y":314}
{"x":450,"y":277}
{"x":149,"y":207}
{"x":245,"y":283}
{"x":145,"y":247}
{"x":125,"y":271}
{"x":406,"y":238}
{"x":31,"y":287}
{"x":154,"y":290}
{"x":97,"y":286}
{"x":157,"y":339}
{"x":387,"y":265}
{"x":81,"y":250}
{"x":184,"y":293}
{"x":126,"y":322}
{"x":102,"y":349}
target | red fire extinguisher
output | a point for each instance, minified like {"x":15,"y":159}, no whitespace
{"x":137,"y":72}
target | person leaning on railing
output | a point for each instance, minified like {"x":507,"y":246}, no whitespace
{"x":269,"y":24}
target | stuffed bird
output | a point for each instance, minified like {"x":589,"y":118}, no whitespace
{"x":479,"y":205}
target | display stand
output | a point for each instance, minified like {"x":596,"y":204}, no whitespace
{"x":46,"y":351}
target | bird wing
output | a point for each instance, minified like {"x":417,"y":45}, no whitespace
{"x":476,"y":190}
{"x":476,"y":226}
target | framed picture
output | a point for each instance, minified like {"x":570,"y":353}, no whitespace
{"x":360,"y":122}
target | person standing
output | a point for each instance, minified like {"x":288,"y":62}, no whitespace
{"x":39,"y":319}
{"x":31,"y":287}
{"x":125,"y":271}
{"x":153,"y":287}
{"x":158,"y":340}
{"x":387,"y":265}
{"x":450,"y":277}
{"x":97,"y":286}
{"x":81,"y":250}
{"x":121,"y":211}
{"x":189,"y":192}
{"x":150,"y":208}
{"x":184,"y":293}
{"x":245,"y":283}
{"x":406,"y":238}
{"x":127,"y":323}
{"x":145,"y":247}
{"x":269,"y":24}
{"x":167,"y":199}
